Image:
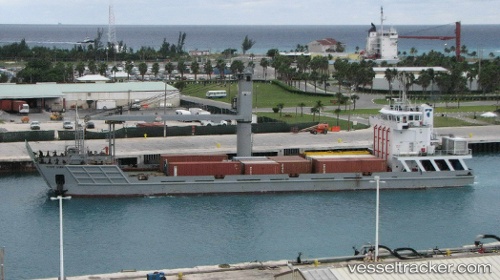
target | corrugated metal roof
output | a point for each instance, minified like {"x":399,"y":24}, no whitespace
{"x":318,"y":274}
{"x":490,"y":271}
{"x":52,"y":90}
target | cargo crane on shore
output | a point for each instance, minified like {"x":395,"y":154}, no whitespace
{"x":457,"y":38}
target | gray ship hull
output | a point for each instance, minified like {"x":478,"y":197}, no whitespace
{"x":111,"y":181}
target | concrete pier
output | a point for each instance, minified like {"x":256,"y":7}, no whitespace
{"x":262,"y":143}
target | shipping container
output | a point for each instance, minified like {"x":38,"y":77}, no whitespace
{"x":254,"y":167}
{"x":204,"y":168}
{"x":349,"y":165}
{"x":166,"y":159}
{"x":369,"y":165}
{"x":293,"y":165}
{"x":14,"y":106}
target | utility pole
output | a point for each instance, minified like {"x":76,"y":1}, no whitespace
{"x":2,"y":271}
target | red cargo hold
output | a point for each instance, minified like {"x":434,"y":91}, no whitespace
{"x":204,"y":168}
{"x":166,"y":159}
{"x":260,"y":167}
{"x":293,"y":165}
{"x":373,"y":165}
{"x":348,"y":165}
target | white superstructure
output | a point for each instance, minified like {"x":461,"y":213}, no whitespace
{"x":403,"y":135}
{"x":382,"y":44}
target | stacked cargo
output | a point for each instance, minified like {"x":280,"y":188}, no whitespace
{"x":204,"y":168}
{"x":349,"y":165}
{"x":165,"y":160}
{"x":292,"y":165}
{"x":263,"y":166}
{"x":373,"y":164}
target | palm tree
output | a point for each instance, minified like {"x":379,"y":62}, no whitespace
{"x":390,"y":75}
{"x":208,"y":68}
{"x":264,"y":63}
{"x":319,"y":105}
{"x":143,"y":68}
{"x":280,"y":107}
{"x":314,"y":110}
{"x":339,"y":97}
{"x":128,"y":68}
{"x":103,"y":67}
{"x":92,"y":67}
{"x":195,"y":68}
{"x":302,"y":105}
{"x":424,"y":80}
{"x":169,"y":67}
{"x":237,"y":66}
{"x":337,"y":112}
{"x":155,"y":69}
{"x":354,"y":97}
{"x":181,"y":67}
{"x":221,"y":65}
{"x":247,"y":44}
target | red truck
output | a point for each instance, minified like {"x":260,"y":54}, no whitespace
{"x":14,"y":106}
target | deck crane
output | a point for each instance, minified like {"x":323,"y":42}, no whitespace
{"x":444,"y":38}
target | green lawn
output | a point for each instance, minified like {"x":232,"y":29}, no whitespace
{"x":297,"y":118}
{"x":265,"y":95}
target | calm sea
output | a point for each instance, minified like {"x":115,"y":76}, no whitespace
{"x":479,"y":38}
{"x":107,"y":235}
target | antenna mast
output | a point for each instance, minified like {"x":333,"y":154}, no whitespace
{"x":382,"y":20}
{"x":111,"y":26}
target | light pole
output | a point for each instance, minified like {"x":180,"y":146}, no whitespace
{"x":165,"y":111}
{"x":61,"y":245}
{"x":377,"y":180}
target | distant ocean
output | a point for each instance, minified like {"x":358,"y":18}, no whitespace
{"x":483,"y":39}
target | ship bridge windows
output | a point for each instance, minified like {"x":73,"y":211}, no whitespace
{"x":456,"y":164}
{"x":428,"y":166}
{"x":442,"y":165}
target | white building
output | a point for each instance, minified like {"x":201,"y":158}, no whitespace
{"x":326,"y":45}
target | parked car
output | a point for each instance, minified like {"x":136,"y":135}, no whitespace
{"x":136,"y":105}
{"x":90,"y":125}
{"x":210,"y":123}
{"x":35,"y":125}
{"x":68,"y":125}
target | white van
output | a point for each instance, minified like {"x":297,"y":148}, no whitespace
{"x":182,"y":112}
{"x":216,"y":94}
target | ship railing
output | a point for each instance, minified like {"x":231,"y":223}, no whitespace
{"x":437,"y":153}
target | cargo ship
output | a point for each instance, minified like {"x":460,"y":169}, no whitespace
{"x":406,"y":154}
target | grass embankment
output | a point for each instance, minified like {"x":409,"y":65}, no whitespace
{"x":267,"y":95}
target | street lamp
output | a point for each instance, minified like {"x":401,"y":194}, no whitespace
{"x":165,"y":111}
{"x":377,"y":180}
{"x":61,"y":246}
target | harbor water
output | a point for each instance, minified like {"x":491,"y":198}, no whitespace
{"x":151,"y":233}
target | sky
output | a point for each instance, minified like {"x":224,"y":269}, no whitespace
{"x":250,"y":12}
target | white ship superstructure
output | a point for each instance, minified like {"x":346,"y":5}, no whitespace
{"x":382,"y":44}
{"x":403,"y":135}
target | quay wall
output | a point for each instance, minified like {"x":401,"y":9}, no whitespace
{"x":14,"y":156}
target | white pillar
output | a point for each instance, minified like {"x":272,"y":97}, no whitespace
{"x":61,"y":243}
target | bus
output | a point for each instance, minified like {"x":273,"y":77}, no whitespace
{"x":216,"y":94}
